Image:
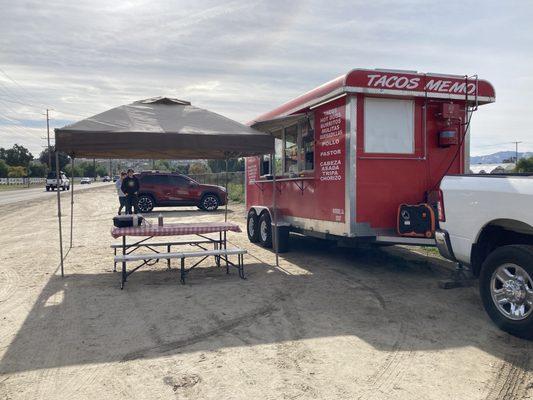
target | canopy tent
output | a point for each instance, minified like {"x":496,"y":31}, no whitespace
{"x":157,"y":128}
{"x":161,"y":128}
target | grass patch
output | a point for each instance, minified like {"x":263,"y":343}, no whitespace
{"x":236,"y":192}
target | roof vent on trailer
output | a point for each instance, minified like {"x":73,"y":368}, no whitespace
{"x":405,"y":71}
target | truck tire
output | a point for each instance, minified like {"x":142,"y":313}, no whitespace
{"x":506,"y":288}
{"x":252,"y":226}
{"x":265,"y":230}
{"x":48,"y":188}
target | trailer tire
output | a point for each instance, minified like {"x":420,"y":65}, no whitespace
{"x":265,"y":230}
{"x":507,"y":273}
{"x":252,"y":226}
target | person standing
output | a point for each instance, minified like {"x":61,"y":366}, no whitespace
{"x":130,"y":187}
{"x":120,"y":193}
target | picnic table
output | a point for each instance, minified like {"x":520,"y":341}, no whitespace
{"x":201,"y":242}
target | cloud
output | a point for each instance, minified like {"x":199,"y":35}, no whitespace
{"x":243,"y":58}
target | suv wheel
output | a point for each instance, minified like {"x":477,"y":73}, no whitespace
{"x":506,"y":288}
{"x":209,"y":202}
{"x":145,"y":203}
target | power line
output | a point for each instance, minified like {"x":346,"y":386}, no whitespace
{"x":516,"y":151}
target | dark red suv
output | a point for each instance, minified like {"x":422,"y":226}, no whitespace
{"x":160,"y":189}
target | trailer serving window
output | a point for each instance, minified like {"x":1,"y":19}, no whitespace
{"x":266,"y":168}
{"x":307,"y":148}
{"x":295,"y":150}
{"x":389,"y":126}
{"x":290,"y":150}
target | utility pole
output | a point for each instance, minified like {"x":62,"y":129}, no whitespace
{"x":94,"y":168}
{"x":48,"y":139}
{"x":516,"y":151}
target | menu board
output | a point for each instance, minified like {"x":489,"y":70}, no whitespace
{"x":252,"y":169}
{"x":330,"y":148}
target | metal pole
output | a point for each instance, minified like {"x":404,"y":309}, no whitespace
{"x":59,"y":213}
{"x":94,"y":167}
{"x":275,"y":211}
{"x":48,"y":139}
{"x":71,"y":198}
{"x":227,"y":194}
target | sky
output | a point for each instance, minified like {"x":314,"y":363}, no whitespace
{"x":243,"y":58}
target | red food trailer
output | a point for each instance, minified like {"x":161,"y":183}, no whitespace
{"x":352,"y":151}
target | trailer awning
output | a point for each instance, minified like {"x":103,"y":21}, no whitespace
{"x":279,"y":123}
{"x":161,"y":128}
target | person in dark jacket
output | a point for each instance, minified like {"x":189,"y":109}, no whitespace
{"x":130,"y":187}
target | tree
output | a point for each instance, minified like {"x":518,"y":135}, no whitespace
{"x":16,"y":156}
{"x":183,"y":169}
{"x":37,"y":170}
{"x":63,"y":158}
{"x":199,"y":168}
{"x":162,"y":165}
{"x":17,"y":172}
{"x":101,"y":170}
{"x":4,"y":169}
{"x":524,"y":165}
{"x":234,"y":165}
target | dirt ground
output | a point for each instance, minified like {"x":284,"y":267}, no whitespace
{"x":329,"y":323}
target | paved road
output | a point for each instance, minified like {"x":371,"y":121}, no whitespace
{"x":22,"y":195}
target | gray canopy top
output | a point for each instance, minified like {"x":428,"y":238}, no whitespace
{"x":161,"y":128}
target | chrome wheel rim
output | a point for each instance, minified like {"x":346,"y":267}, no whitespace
{"x":145,"y":204}
{"x":251,"y":226}
{"x":263,"y":231}
{"x":210,"y":203}
{"x":511,"y":288}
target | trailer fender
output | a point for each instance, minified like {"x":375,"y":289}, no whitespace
{"x":261,"y":209}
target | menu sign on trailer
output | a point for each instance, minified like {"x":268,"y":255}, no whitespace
{"x":330,"y":150}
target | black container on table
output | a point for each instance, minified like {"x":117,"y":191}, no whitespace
{"x":126,"y":221}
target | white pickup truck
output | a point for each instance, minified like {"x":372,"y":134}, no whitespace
{"x":51,"y":181}
{"x":486,"y":222}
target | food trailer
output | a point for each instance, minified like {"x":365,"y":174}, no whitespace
{"x":351,"y":152}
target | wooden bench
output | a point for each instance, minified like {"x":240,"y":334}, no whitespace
{"x":182,"y":255}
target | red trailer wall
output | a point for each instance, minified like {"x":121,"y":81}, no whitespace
{"x":383,"y":182}
{"x":323,"y":197}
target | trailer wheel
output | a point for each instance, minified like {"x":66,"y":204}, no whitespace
{"x":252,"y":225}
{"x":506,"y":288}
{"x":265,"y":230}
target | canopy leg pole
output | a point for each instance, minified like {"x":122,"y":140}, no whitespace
{"x":59,"y":213}
{"x":71,"y":198}
{"x":275,"y":209}
{"x":227,"y":194}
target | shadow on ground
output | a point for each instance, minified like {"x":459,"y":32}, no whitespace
{"x":381,"y":296}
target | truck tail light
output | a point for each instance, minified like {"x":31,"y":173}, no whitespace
{"x":440,"y":207}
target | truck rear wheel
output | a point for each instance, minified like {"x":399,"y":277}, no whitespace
{"x":506,"y":288}
{"x":252,"y":226}
{"x":265,"y":230}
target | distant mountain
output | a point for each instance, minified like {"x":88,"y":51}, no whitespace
{"x":498,"y":157}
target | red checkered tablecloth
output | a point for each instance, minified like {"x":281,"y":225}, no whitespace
{"x":176,"y":229}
